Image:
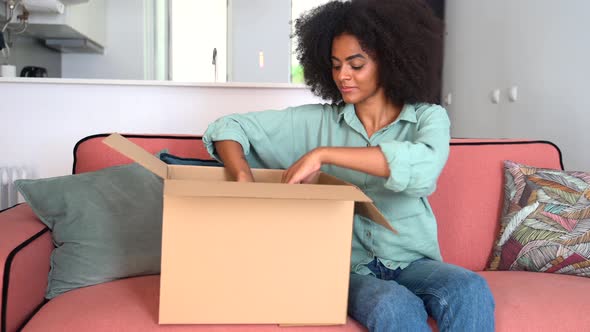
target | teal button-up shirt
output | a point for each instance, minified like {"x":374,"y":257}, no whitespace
{"x":416,"y":146}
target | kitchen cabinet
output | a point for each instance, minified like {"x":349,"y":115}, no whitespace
{"x":80,"y":29}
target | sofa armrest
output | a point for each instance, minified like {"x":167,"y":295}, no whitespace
{"x":25,"y":249}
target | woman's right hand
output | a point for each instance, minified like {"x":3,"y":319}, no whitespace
{"x":244,"y":177}
{"x":234,"y":161}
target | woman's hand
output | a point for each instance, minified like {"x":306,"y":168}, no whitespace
{"x":234,"y":161}
{"x":305,"y":169}
{"x":368,"y":160}
{"x":244,"y":177}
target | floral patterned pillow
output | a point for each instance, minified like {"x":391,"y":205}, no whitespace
{"x":545,"y":224}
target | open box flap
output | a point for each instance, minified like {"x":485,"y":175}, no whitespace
{"x":369,"y":210}
{"x":137,"y":154}
{"x":263,"y":190}
{"x":366,"y":209}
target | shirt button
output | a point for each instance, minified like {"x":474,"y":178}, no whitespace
{"x":370,"y":254}
{"x":368,"y":234}
{"x":368,"y":144}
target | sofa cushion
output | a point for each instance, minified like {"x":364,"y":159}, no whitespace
{"x":105,"y":225}
{"x":468,"y":199}
{"x":525,"y":301}
{"x":545,"y":224}
{"x":91,"y":154}
{"x":532,"y":301}
{"x":132,"y":305}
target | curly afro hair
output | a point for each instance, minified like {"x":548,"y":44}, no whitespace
{"x":404,"y":37}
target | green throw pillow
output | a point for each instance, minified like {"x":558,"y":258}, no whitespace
{"x":105,"y":225}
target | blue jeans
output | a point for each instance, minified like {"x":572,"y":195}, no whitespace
{"x":402,"y":299}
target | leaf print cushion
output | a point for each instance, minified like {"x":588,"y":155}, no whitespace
{"x":545,"y":224}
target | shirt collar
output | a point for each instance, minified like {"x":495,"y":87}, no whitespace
{"x":346,"y":112}
{"x":408,"y":113}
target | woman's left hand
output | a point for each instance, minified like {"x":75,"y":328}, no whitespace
{"x":305,"y":169}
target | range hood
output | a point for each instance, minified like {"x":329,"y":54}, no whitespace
{"x":74,"y":46}
{"x":64,"y":38}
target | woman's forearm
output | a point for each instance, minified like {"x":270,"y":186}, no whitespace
{"x":234,"y":161}
{"x":368,"y":160}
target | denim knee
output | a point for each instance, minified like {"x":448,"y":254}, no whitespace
{"x":471,"y":306}
{"x":474,"y":289}
{"x":397,"y":310}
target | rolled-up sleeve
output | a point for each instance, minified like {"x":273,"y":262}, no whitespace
{"x":270,"y":139}
{"x":227,"y":128}
{"x":415,"y":165}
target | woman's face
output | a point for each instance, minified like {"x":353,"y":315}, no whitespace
{"x":354,"y":71}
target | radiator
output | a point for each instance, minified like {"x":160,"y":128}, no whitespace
{"x":9,"y":196}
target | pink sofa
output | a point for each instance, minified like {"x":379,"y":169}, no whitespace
{"x":467,"y":204}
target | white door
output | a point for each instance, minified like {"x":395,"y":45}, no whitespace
{"x":197,"y":28}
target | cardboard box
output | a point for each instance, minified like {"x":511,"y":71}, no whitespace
{"x":253,"y":253}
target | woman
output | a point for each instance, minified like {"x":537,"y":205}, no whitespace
{"x":378,"y":62}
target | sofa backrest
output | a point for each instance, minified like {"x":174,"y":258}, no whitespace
{"x":467,"y":202}
{"x":91,"y":154}
{"x":469,"y":196}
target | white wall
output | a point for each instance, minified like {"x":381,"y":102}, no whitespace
{"x":124,"y":56}
{"x":40,"y":134}
{"x":542,"y":47}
